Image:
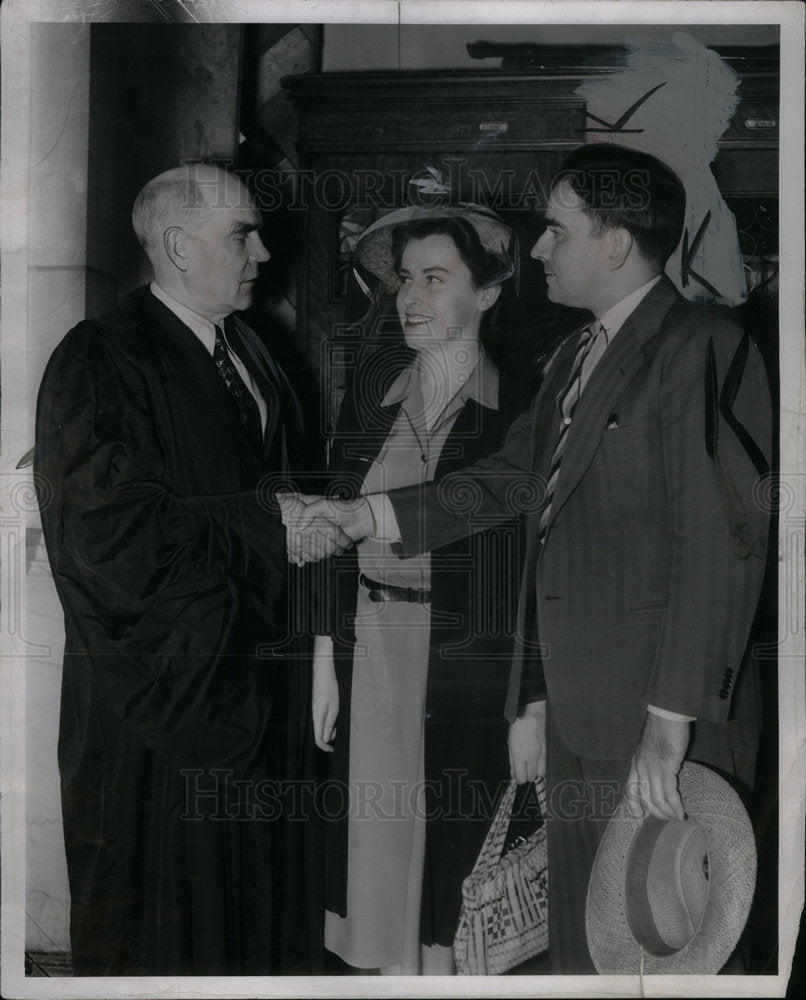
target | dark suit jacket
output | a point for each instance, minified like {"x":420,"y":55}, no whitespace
{"x":170,"y":566}
{"x":646,"y":586}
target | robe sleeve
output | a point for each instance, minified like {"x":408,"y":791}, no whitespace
{"x":145,"y":575}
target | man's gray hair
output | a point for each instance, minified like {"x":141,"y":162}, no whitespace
{"x":175,"y":198}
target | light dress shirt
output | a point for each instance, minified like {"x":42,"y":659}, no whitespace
{"x":481,"y":385}
{"x":429,"y":399}
{"x":205,"y":330}
{"x":611,"y":322}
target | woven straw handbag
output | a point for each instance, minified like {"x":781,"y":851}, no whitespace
{"x":503,"y":920}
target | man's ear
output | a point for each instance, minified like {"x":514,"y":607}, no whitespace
{"x":489,"y":296}
{"x":174,"y":241}
{"x":619,"y":244}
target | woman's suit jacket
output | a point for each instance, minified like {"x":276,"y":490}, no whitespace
{"x":465,"y":628}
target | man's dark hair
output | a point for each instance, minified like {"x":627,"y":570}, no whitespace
{"x":625,"y":188}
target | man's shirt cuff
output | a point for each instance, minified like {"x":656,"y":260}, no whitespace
{"x":386,"y":528}
{"x":672,"y":716}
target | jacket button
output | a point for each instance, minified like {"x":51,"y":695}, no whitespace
{"x":729,"y":672}
{"x":723,"y":694}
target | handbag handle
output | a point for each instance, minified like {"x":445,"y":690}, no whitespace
{"x":490,"y":853}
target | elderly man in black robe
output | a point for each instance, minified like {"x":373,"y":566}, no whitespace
{"x":160,"y":428}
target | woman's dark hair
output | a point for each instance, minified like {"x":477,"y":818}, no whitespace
{"x":622,"y":187}
{"x":486,"y":268}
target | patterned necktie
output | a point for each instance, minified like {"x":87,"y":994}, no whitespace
{"x":567,"y":401}
{"x":245,"y":401}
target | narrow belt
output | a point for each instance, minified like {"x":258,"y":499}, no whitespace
{"x":385,"y":592}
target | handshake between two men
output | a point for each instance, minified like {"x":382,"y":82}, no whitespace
{"x":318,"y":527}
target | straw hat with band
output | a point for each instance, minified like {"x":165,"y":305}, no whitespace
{"x":668,"y":897}
{"x":374,"y":249}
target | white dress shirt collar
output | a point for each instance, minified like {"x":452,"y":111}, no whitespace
{"x":616,"y":315}
{"x":203,"y":327}
{"x":481,"y":385}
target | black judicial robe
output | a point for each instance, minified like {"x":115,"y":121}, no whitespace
{"x":170,"y":565}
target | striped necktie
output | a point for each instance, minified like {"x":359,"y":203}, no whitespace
{"x":247,"y":407}
{"x":567,"y":400}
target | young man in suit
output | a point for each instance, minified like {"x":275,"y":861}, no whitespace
{"x":159,"y":428}
{"x":645,"y":556}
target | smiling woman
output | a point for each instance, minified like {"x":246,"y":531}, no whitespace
{"x":437,"y":301}
{"x":439,"y":293}
{"x":441,"y":303}
{"x":410,"y":671}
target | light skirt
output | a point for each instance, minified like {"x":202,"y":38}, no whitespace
{"x":386,"y":839}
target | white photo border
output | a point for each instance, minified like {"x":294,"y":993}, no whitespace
{"x":17,"y":18}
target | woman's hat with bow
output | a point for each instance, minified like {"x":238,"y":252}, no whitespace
{"x":374,"y":252}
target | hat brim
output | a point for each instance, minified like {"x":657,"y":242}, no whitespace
{"x":720,"y":815}
{"x":374,"y":249}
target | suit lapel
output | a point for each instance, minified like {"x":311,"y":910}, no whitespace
{"x":619,"y":364}
{"x":190,"y":363}
{"x":547,"y":414}
{"x":284,"y":412}
{"x":195,"y":372}
{"x":474,"y":433}
{"x":358,"y":449}
{"x":204,"y":414}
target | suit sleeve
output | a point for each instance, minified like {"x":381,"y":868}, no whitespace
{"x":718,"y":524}
{"x":491,"y":491}
{"x":146,"y":575}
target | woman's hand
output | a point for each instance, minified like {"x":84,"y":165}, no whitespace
{"x":325,"y":697}
{"x":527,"y":743}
